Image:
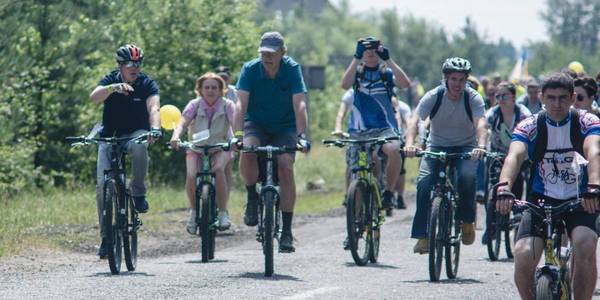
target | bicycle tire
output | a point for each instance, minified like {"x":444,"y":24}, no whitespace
{"x":509,"y":241}
{"x":213,"y":225}
{"x":268,"y":205}
{"x":375,"y":230}
{"x":544,"y":287}
{"x":452,"y":245}
{"x":494,"y":232}
{"x":111,"y":226}
{"x":436,"y":239}
{"x":130,"y":238}
{"x":205,"y":221}
{"x":357,"y":222}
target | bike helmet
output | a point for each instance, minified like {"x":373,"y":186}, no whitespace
{"x":456,"y":64}
{"x":129,"y":52}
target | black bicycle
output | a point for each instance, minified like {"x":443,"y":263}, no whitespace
{"x":364,"y":209}
{"x":206,"y":205}
{"x":119,"y":217}
{"x":269,"y":211}
{"x":444,"y":232}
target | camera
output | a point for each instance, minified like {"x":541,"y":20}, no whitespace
{"x":371,"y":44}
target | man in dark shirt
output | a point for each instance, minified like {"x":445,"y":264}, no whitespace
{"x":131,"y":107}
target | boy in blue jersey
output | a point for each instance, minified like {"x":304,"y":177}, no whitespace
{"x":372,"y":112}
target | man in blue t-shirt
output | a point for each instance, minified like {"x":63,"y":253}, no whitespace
{"x":271,"y":110}
{"x":131,"y":107}
{"x":373,"y":112}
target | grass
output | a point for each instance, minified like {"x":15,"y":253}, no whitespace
{"x":67,"y":218}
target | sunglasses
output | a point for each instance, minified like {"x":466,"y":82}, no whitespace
{"x":502,"y":96}
{"x":580,"y":97}
{"x":132,"y":64}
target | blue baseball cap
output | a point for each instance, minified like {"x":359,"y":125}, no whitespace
{"x":271,"y":42}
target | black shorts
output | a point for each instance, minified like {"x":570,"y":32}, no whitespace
{"x":531,"y":224}
{"x":288,"y":139}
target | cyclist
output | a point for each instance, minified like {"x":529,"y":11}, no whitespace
{"x":271,"y":110}
{"x":554,"y":140}
{"x":586,"y":90}
{"x":373,"y":113}
{"x":208,"y":116}
{"x":531,"y":99}
{"x":231,"y":92}
{"x":131,"y":107}
{"x":456,"y":125}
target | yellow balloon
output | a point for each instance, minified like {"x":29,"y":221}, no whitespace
{"x":169,"y":116}
{"x":576,"y":67}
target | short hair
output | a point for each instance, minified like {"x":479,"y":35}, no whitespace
{"x":509,"y":86}
{"x":210,"y":75}
{"x":588,"y":84}
{"x":558,"y":80}
{"x":569,"y":72}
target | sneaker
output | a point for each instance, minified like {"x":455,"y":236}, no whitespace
{"x":400,"y":202}
{"x":191,"y":225}
{"x":484,"y":238}
{"x":102,"y":250}
{"x":480,"y":197}
{"x":387,"y":199}
{"x":422,"y":246}
{"x":224,"y":222}
{"x":251,"y":213}
{"x":286,"y":242}
{"x":141,"y":205}
{"x":346,"y":243}
{"x":468,"y":233}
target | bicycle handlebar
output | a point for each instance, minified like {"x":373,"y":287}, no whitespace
{"x":192,"y":146}
{"x":443,"y":155}
{"x":271,"y":149}
{"x":377,"y":140}
{"x":571,"y":204}
{"x":82,"y":140}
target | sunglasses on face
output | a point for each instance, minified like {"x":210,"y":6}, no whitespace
{"x":580,"y":97}
{"x":502,"y":96}
{"x":132,"y":64}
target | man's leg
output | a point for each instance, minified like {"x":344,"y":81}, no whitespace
{"x":392,"y":170}
{"x":427,"y":171}
{"x":527,"y":254}
{"x":139,"y":160}
{"x":400,"y":184}
{"x":103,"y":163}
{"x":466,"y":172}
{"x":584,"y":242}
{"x":249,"y":172}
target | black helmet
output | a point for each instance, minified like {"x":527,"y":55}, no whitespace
{"x":456,"y":64}
{"x":129,"y":52}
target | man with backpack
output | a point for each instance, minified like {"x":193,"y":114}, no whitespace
{"x":558,"y":141}
{"x":373,"y":113}
{"x":456,"y":119}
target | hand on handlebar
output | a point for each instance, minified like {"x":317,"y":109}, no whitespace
{"x":175,"y":143}
{"x":590,"y":199}
{"x":340,"y":134}
{"x":504,"y":199}
{"x":410,"y":150}
{"x":304,"y":145}
{"x":236,"y":143}
{"x":155,"y":134}
{"x":477,"y":153}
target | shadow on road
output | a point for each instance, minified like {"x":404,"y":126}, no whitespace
{"x":108,"y":274}
{"x":377,"y":266}
{"x":448,"y":281}
{"x":261,"y":276}
{"x":199,"y":261}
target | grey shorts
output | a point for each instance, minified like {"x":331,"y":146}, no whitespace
{"x":352,"y":150}
{"x":288,"y":139}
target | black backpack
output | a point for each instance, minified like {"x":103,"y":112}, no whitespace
{"x":440,"y":94}
{"x":541,"y":143}
{"x":360,"y":75}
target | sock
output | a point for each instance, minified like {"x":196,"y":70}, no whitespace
{"x":287,"y":221}
{"x":251,"y":189}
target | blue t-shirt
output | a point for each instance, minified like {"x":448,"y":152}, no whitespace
{"x":270,"y":105}
{"x":560,"y":173}
{"x":372,"y":106}
{"x":124,"y":114}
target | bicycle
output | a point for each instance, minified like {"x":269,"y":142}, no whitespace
{"x":364,"y":209}
{"x":444,"y":232}
{"x":206,"y":207}
{"x":553,"y":279}
{"x":120,"y":219}
{"x":269,"y":211}
{"x":497,"y":223}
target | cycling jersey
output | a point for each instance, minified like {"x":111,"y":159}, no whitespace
{"x":501,"y":134}
{"x":562,"y":169}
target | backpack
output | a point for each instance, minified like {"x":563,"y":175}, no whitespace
{"x":541,"y":143}
{"x":360,"y":75}
{"x":438,"y":102}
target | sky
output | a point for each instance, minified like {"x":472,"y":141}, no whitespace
{"x":515,"y":20}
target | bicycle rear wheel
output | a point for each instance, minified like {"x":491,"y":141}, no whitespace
{"x":205,"y":221}
{"x":544,"y":287}
{"x":452,"y":241}
{"x":130,"y":238}
{"x":437,"y":235}
{"x":269,"y":215}
{"x":111,"y":225}
{"x":213,"y":222}
{"x":494,"y":232}
{"x":358,"y":222}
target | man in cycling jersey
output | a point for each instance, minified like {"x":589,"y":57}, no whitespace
{"x":131,"y":107}
{"x":373,"y":113}
{"x":271,"y":110}
{"x":456,"y":125}
{"x":555,"y":148}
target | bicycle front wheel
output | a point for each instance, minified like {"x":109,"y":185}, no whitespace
{"x":494,"y":232}
{"x":111,"y":225}
{"x":358,"y":223}
{"x":437,"y":234}
{"x":130,"y":238}
{"x":453,"y":234}
{"x":374,"y":221}
{"x":269,"y":215}
{"x":205,"y":222}
{"x":544,"y":287}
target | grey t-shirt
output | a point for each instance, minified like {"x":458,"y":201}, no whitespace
{"x":451,"y":125}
